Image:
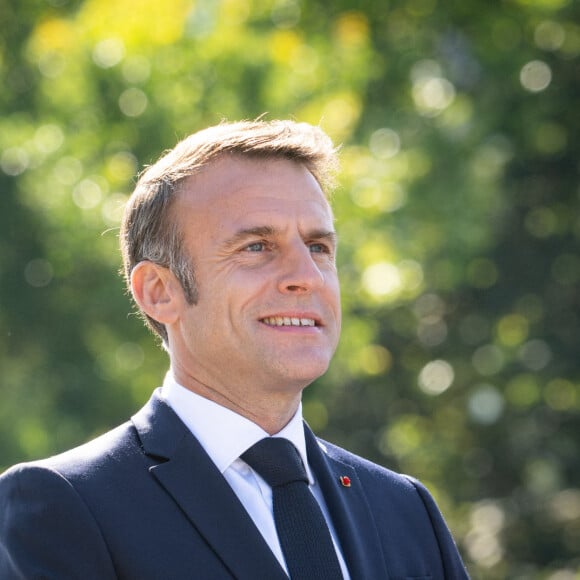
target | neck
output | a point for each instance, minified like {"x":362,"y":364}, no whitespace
{"x":271,"y":411}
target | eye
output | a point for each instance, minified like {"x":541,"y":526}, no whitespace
{"x":318,"y":248}
{"x":255,"y":247}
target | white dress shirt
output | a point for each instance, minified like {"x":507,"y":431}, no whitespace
{"x":225,"y":436}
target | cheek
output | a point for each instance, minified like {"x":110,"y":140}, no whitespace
{"x":337,"y":310}
{"x":333,"y":288}
{"x":247,"y":285}
{"x":208,"y":314}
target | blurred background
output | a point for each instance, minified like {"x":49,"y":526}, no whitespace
{"x":457,"y":212}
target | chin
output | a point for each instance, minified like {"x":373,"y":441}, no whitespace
{"x":297,"y":368}
{"x":305,"y":374}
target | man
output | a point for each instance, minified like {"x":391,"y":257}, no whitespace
{"x":229,"y":251}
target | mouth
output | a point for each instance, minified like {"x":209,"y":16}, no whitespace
{"x":289,"y":321}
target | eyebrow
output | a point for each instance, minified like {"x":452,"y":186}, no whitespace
{"x":242,"y":235}
{"x":269,"y":231}
{"x":329,"y":235}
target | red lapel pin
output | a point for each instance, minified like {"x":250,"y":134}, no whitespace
{"x":345,"y":480}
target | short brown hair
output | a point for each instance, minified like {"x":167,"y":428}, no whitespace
{"x":147,"y":230}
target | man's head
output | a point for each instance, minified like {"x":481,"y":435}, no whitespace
{"x":230,"y":249}
{"x":150,"y":230}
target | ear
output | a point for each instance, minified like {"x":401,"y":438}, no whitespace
{"x":156,"y":291}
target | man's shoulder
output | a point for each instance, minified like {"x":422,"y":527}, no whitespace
{"x":356,"y":461}
{"x":363,"y":466}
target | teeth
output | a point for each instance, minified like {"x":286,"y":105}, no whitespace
{"x":288,"y":321}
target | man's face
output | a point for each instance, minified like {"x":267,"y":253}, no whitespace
{"x":261,"y":238}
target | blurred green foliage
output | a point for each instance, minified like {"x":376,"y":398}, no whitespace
{"x":457,"y":211}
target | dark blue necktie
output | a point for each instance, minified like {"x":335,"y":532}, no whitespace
{"x":302,"y":530}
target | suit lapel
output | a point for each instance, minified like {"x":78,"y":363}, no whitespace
{"x":198,"y":487}
{"x":350,"y":513}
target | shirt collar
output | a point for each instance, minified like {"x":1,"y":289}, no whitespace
{"x":224,"y":434}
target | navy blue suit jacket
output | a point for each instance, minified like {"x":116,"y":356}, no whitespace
{"x":145,"y":502}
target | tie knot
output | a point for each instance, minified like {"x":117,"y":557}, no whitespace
{"x":276,"y":460}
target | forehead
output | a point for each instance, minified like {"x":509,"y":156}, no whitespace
{"x":234,"y":191}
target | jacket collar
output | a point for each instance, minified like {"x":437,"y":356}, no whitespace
{"x":187,"y":473}
{"x":347,"y":504}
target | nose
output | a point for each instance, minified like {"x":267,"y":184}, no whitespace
{"x":299,"y":272}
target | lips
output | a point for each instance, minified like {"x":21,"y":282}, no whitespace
{"x":288,"y":321}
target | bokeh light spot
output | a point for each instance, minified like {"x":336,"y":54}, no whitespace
{"x":382,"y":279}
{"x":68,"y":170}
{"x":286,"y":13}
{"x":485,"y":404}
{"x":112,"y":208}
{"x":352,"y":29}
{"x":375,"y":359}
{"x":385,"y":143}
{"x":87,"y":194}
{"x":535,"y":354}
{"x":340,"y":113}
{"x":488,"y":360}
{"x":121,"y":166}
{"x":51,"y":64}
{"x":541,"y":222}
{"x":561,"y":395}
{"x":404,"y":436}
{"x":523,"y":390}
{"x":133,"y":102}
{"x":433,"y":95}
{"x":431,"y":333}
{"x":512,"y":329}
{"x":38,"y":272}
{"x":542,"y":476}
{"x":48,"y":138}
{"x":14,"y":161}
{"x":536,"y":76}
{"x":436,"y":377}
{"x":130,"y":356}
{"x":565,"y":505}
{"x":483,"y":541}
{"x":370,"y":193}
{"x":549,"y":35}
{"x":109,"y":52}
